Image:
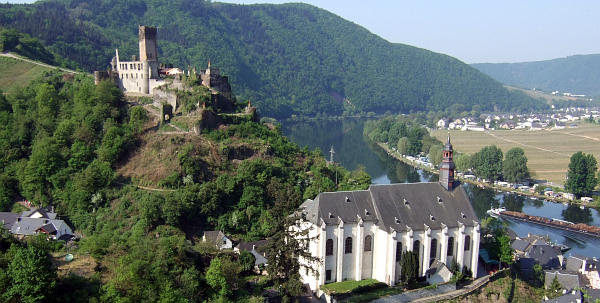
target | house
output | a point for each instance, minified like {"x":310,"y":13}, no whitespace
{"x":572,"y":297}
{"x":41,"y":220}
{"x":256,"y":248}
{"x":8,"y":219}
{"x":536,"y":126}
{"x":545,"y":255}
{"x":362,"y":234}
{"x":589,"y":267}
{"x":438,"y":273}
{"x":218,"y":238}
{"x":559,"y":125}
{"x":567,"y":280}
{"x":442,"y":123}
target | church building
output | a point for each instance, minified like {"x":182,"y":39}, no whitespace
{"x":362,"y":234}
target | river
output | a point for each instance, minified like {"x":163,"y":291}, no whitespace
{"x":353,"y":150}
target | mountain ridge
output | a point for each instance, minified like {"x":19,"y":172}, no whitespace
{"x":288,"y":58}
{"x":577,"y":74}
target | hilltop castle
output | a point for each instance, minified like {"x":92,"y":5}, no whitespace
{"x":144,"y":75}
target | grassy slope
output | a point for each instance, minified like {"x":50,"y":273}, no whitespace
{"x":548,"y":152}
{"x":18,"y":74}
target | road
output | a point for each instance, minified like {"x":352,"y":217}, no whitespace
{"x":10,"y":55}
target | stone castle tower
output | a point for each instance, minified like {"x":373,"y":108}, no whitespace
{"x":447,"y":167}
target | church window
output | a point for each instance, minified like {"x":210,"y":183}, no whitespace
{"x":398,"y":251}
{"x":329,"y":247}
{"x":368,"y":243}
{"x":348,"y":246}
{"x":328,"y":275}
{"x":467,"y":243}
{"x":450,"y":246}
{"x":433,"y":249}
{"x":417,"y":251}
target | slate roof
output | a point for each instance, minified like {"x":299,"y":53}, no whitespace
{"x":28,"y":226}
{"x":46,"y":212}
{"x":49,"y":228}
{"x":8,"y":219}
{"x":436,"y":267}
{"x":214,"y":236}
{"x":520,"y":245}
{"x":545,"y":255}
{"x":258,"y":245}
{"x":573,"y":297}
{"x":574,"y":263}
{"x":568,"y":280}
{"x":394,"y":206}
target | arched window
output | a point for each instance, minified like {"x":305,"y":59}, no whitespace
{"x":450,"y":246}
{"x":368,"y":243}
{"x":398,"y":251}
{"x":417,"y":251}
{"x":433,"y":250}
{"x":467,"y":243}
{"x":329,"y":247}
{"x":348,"y":247}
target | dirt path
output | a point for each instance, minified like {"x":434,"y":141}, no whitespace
{"x":9,"y":55}
{"x":527,"y":145}
{"x":580,"y":136}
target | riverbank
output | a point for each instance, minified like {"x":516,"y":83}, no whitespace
{"x":532,"y":195}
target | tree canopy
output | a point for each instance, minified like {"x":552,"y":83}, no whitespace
{"x":487,"y":163}
{"x":514,"y":167}
{"x":581,"y":177}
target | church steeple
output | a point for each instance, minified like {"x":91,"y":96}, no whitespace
{"x":447,"y":167}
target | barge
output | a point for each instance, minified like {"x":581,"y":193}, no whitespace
{"x":549,"y":222}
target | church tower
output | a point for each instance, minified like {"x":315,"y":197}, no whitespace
{"x":447,"y":167}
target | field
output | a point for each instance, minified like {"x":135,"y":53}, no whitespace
{"x":17,"y":74}
{"x":548,"y":151}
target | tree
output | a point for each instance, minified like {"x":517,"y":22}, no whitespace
{"x":435,"y":154}
{"x":247,"y":260}
{"x":506,"y":251}
{"x":284,"y":251}
{"x":538,"y":274}
{"x":32,"y":276}
{"x":514,"y":167}
{"x":462,"y":162}
{"x":488,"y":163}
{"x":581,"y":178}
{"x":409,"y":267}
{"x":555,"y":290}
{"x":403,"y":146}
{"x":215,"y":278}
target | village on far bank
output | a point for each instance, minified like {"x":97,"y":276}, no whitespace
{"x":559,"y":118}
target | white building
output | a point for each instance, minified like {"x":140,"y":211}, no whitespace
{"x":362,"y":234}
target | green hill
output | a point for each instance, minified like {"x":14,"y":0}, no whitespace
{"x":15,"y":73}
{"x":575,"y":74}
{"x":288,"y":59}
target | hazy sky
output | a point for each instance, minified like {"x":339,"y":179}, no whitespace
{"x":476,"y":30}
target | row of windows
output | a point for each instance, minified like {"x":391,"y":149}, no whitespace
{"x":126,"y":66}
{"x":416,"y":246}
{"x":136,"y":76}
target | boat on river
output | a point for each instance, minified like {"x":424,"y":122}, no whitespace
{"x":549,"y":222}
{"x":495,"y":212}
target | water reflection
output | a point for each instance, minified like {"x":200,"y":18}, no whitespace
{"x":577,"y":215}
{"x":482,"y":199}
{"x":513,"y":202}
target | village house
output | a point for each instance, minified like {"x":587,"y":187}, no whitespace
{"x":218,"y":238}
{"x":38,"y":221}
{"x":362,"y":234}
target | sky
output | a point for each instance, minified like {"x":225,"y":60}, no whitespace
{"x":475,"y":31}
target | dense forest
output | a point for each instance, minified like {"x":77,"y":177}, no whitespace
{"x":64,"y":142}
{"x":574,"y":74}
{"x":288,"y":59}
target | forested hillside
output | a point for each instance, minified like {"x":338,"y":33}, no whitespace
{"x":68,"y":143}
{"x":288,"y":59}
{"x":575,"y":74}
